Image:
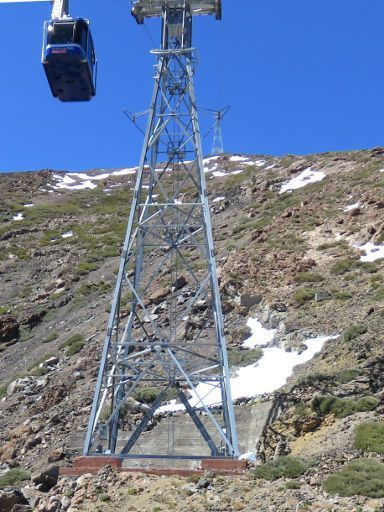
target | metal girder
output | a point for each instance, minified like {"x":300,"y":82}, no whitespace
{"x":176,"y":346}
{"x":59,"y":10}
{"x":154,"y":8}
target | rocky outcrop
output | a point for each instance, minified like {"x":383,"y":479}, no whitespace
{"x":9,"y":328}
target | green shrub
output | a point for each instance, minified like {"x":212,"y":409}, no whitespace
{"x":39,"y":361}
{"x":362,"y":477}
{"x":244,"y":357}
{"x":283,"y":467}
{"x":342,"y":295}
{"x":331,"y":245}
{"x":348,"y":264}
{"x":38,"y":372}
{"x":343,"y":407}
{"x":343,"y":266}
{"x":73,"y":345}
{"x":308,"y":277}
{"x":292,"y":484}
{"x":353,"y":332}
{"x":14,"y":477}
{"x":146,"y":395}
{"x":51,"y":337}
{"x":313,"y":378}
{"x":86,"y":267}
{"x":89,"y":288}
{"x":348,"y":375}
{"x":3,"y":391}
{"x":369,"y":437}
{"x":104,"y":497}
{"x":303,"y":295}
{"x":4,"y":310}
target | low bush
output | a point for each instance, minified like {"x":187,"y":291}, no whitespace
{"x":14,"y":477}
{"x":362,"y":477}
{"x":342,"y":295}
{"x":353,"y":332}
{"x":343,"y":266}
{"x":313,"y":378}
{"x":4,"y":310}
{"x":146,"y":395}
{"x":89,"y":288}
{"x":292,"y":484}
{"x":3,"y":391}
{"x":283,"y":467}
{"x":308,"y":277}
{"x":348,"y":375}
{"x":244,"y":357}
{"x":51,"y":337}
{"x":348,"y":264}
{"x":343,"y":407}
{"x":303,"y":295}
{"x":73,"y":345}
{"x":86,"y":267}
{"x":369,"y":437}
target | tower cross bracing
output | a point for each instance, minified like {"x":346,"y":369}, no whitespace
{"x":165,"y":336}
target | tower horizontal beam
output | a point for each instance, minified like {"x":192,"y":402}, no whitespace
{"x":155,"y":8}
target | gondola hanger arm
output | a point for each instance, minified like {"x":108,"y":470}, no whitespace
{"x":60,"y":8}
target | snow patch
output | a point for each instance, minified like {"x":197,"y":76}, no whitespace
{"x":210,"y":159}
{"x":304,"y":178}
{"x":237,"y":158}
{"x":67,"y":235}
{"x":238,"y":171}
{"x":218,"y":174}
{"x":372,"y":252}
{"x":352,"y":207}
{"x":258,"y":163}
{"x":125,"y":172}
{"x":28,"y":205}
{"x":19,"y":216}
{"x":248,"y":456}
{"x":266,"y":376}
{"x":260,"y":335}
{"x":217,"y":199}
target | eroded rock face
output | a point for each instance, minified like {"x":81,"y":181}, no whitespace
{"x":9,"y":499}
{"x":46,"y":479}
{"x":9,"y":328}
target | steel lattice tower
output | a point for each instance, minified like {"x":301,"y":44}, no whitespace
{"x":165,"y":332}
{"x":218,"y":146}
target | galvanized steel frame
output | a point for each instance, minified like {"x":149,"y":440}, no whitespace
{"x":168,"y":227}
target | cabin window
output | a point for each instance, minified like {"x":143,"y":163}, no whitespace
{"x":62,"y":33}
{"x":81,"y":35}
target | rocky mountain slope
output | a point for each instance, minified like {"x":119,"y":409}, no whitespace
{"x":300,"y":247}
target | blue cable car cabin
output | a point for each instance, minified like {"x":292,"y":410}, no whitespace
{"x":69,"y":59}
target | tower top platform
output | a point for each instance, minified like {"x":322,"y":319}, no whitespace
{"x":154,"y":8}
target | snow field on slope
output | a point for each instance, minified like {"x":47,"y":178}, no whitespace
{"x":265,"y":376}
{"x":303,"y":179}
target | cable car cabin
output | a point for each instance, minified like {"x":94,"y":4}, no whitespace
{"x":69,"y":59}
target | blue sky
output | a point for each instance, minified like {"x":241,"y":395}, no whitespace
{"x":301,"y":76}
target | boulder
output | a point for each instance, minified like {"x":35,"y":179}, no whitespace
{"x":18,"y":385}
{"x":247,"y":300}
{"x":8,"y":499}
{"x":158,"y":295}
{"x":46,"y":479}
{"x":56,"y":455}
{"x":179,"y":283}
{"x":9,"y":328}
